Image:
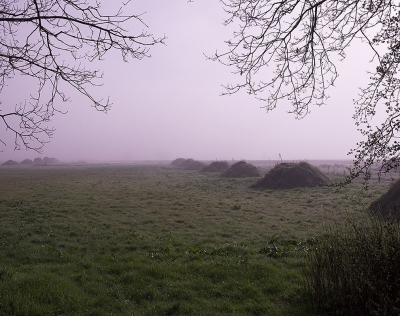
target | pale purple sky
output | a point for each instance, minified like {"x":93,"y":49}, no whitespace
{"x":169,"y":105}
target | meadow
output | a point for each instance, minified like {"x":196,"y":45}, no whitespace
{"x":120,"y":239}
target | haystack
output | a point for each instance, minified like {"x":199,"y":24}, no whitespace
{"x":216,"y":166}
{"x":241,"y":169}
{"x":292,"y":175}
{"x":26,"y":162}
{"x":10,"y":163}
{"x":389,"y":203}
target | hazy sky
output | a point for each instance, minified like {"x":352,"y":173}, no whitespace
{"x":169,"y":105}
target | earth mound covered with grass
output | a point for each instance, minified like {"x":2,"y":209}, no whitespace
{"x":389,"y":203}
{"x":50,"y":161}
{"x":191,"y":164}
{"x":178,"y":162}
{"x":188,"y":164}
{"x":10,"y":163}
{"x":241,"y":169}
{"x":38,"y":161}
{"x":292,"y":175}
{"x":216,"y":166}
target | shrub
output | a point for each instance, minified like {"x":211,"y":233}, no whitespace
{"x":355,"y":270}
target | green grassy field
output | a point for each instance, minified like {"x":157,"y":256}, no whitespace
{"x":155,"y":240}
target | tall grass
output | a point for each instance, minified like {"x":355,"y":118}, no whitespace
{"x":355,"y":269}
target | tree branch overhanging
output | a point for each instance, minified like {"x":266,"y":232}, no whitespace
{"x":300,"y":41}
{"x":61,"y":35}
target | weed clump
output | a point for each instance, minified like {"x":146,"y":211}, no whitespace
{"x":292,"y":175}
{"x":389,"y":203}
{"x":355,"y":270}
{"x":241,"y":169}
{"x":216,"y":166}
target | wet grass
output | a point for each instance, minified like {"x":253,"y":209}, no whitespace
{"x":354,"y":269}
{"x":155,"y":240}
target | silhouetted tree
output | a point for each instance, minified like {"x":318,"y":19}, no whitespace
{"x":302,"y":39}
{"x":50,"y":40}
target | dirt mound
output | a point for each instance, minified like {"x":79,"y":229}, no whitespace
{"x":292,"y":175}
{"x":388,"y":203}
{"x":10,"y":163}
{"x":188,"y":164}
{"x":50,"y":161}
{"x":26,"y":162}
{"x":216,"y":166}
{"x":241,"y":169}
{"x":38,"y":161}
{"x":178,"y":162}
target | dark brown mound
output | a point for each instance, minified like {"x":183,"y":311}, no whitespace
{"x":26,"y":162}
{"x":388,"y":203}
{"x":292,"y":175}
{"x":241,"y":169}
{"x":190,"y":164}
{"x":178,"y":162}
{"x":10,"y":163}
{"x":216,"y":166}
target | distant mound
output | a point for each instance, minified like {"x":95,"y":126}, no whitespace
{"x":50,"y":161}
{"x":241,"y":169}
{"x":292,"y":175}
{"x":188,"y":164}
{"x":178,"y":162}
{"x":388,"y":203}
{"x":26,"y":162}
{"x":216,"y":166}
{"x":38,"y":161}
{"x":10,"y":163}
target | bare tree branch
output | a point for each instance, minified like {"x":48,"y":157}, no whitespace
{"x":302,"y":40}
{"x":60,"y":35}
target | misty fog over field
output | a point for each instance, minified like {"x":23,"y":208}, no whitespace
{"x":169,"y":105}
{"x":182,"y":194}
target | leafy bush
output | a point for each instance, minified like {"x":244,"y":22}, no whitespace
{"x":355,"y":270}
